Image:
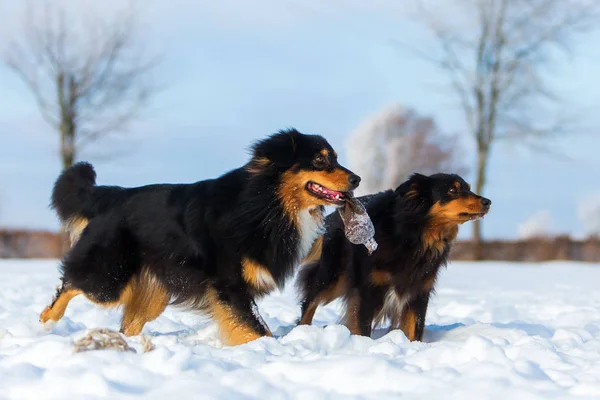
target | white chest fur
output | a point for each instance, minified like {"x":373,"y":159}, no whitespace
{"x":393,"y":304}
{"x":392,"y":308}
{"x":311,"y":226}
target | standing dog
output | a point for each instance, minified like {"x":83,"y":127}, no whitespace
{"x":214,"y":245}
{"x":415,"y":226}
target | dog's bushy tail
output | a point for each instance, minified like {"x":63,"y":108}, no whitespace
{"x":72,"y":190}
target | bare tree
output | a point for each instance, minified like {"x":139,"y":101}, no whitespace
{"x":390,"y":145}
{"x":496,"y":54}
{"x":88,"y":77}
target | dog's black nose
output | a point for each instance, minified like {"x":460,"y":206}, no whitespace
{"x":486,"y":202}
{"x":354,"y":180}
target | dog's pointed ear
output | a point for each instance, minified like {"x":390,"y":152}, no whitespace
{"x":278,"y":149}
{"x":411,"y":188}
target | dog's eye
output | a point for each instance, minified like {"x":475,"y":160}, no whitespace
{"x":453,"y":190}
{"x":320,"y":162}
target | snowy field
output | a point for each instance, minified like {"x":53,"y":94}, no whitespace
{"x":494,"y":331}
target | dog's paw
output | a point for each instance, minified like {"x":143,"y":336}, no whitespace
{"x":45,"y":321}
{"x":48,"y":325}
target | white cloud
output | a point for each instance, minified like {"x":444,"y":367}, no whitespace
{"x":588,"y":212}
{"x":538,"y":225}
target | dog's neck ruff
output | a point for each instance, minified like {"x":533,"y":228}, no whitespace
{"x":311,"y":225}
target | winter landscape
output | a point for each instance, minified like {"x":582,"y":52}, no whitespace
{"x":494,"y":331}
{"x":503,"y":93}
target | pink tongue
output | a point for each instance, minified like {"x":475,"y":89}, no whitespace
{"x":330,"y":192}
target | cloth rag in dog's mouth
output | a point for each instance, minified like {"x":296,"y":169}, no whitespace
{"x":358,"y":226}
{"x":325,"y":193}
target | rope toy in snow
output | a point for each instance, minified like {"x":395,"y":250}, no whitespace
{"x":101,"y":338}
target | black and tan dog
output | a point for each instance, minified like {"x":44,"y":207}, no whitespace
{"x":214,"y":245}
{"x":415,"y":226}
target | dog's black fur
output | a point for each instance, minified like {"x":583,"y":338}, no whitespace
{"x":214,"y":245}
{"x":415,"y":226}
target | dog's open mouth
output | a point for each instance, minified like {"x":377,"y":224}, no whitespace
{"x":326,"y":194}
{"x":473,"y":216}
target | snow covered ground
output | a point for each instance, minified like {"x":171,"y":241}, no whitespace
{"x":494,"y":331}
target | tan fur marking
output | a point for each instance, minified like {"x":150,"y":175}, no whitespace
{"x":380,"y":278}
{"x":324,"y":153}
{"x":337,"y":289}
{"x":445,"y":218}
{"x":232,"y":330}
{"x":435,"y":236}
{"x":56,"y":310}
{"x":451,"y":233}
{"x":335,"y":180}
{"x":350,"y":318}
{"x":144,"y":298}
{"x":257,"y":165}
{"x":315,"y":252}
{"x":413,"y":193}
{"x":309,"y":314}
{"x":430,"y":283}
{"x":409,"y":323}
{"x":74,"y":227}
{"x":450,"y":211}
{"x":294,"y":195}
{"x":257,"y":276}
{"x":334,"y":291}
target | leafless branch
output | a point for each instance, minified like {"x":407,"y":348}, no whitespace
{"x":89,"y":78}
{"x":505,"y":64}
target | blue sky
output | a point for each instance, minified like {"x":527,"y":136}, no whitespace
{"x":235,"y":71}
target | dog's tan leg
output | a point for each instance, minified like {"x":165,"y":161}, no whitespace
{"x":309,"y":313}
{"x":412,"y":321}
{"x":56,"y":310}
{"x":351,"y":315}
{"x":144,"y":299}
{"x":325,"y":296}
{"x":238,"y":324}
